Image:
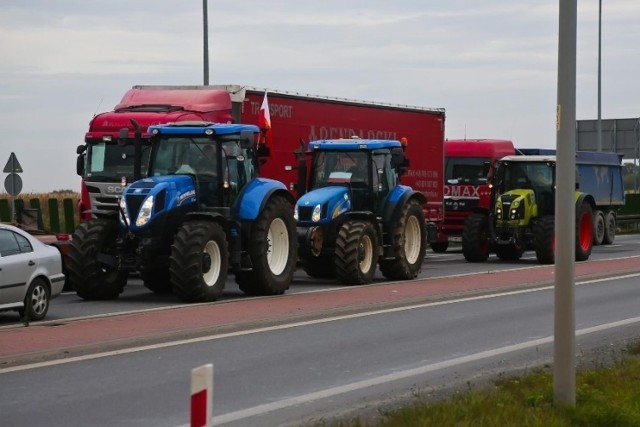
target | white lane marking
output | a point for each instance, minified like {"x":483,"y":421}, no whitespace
{"x":288,"y":326}
{"x":359,"y":385}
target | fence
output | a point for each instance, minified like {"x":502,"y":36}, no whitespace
{"x":54,"y":214}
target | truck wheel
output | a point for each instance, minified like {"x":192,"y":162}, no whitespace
{"x":609,"y":228}
{"x":319,"y":267}
{"x":584,"y":232}
{"x":273,"y":251}
{"x":598,"y":227}
{"x":545,"y":240}
{"x":439,"y":247}
{"x":157,"y":279}
{"x":510,"y":252}
{"x":475,"y":238}
{"x":199,"y":261}
{"x":36,"y":302}
{"x":356,"y":253}
{"x":93,"y":243}
{"x":409,"y":245}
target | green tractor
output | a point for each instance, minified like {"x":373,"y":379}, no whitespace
{"x":521,"y":215}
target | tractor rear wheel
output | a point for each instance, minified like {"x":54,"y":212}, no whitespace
{"x":584,"y":232}
{"x":609,"y":228}
{"x":273,"y":251}
{"x":545,"y":240}
{"x":475,"y":238}
{"x":598,"y":227}
{"x":409,"y":245}
{"x":199,"y":261}
{"x":356,"y":252}
{"x":93,"y":264}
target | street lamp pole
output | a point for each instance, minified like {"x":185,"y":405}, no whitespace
{"x":205,"y":31}
{"x":599,"y":122}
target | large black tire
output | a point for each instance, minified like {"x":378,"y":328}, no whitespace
{"x":199,"y":261}
{"x":598,"y":227}
{"x":609,"y":228}
{"x":584,"y":232}
{"x":409,"y":245}
{"x":36,"y":301}
{"x":475,"y":238}
{"x":157,"y":279}
{"x":321,"y":267}
{"x":356,"y":253}
{"x":439,"y":247}
{"x":273,"y":251}
{"x":510,"y":252}
{"x":92,"y":279}
{"x":545,"y":240}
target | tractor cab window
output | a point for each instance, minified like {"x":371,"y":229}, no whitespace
{"x":340,"y":167}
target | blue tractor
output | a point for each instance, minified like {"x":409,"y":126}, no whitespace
{"x":356,"y":215}
{"x":200,"y":212}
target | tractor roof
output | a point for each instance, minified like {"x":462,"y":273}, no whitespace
{"x":201,"y":128}
{"x":529,"y":159}
{"x":354,"y":144}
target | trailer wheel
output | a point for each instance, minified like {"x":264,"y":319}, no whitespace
{"x":439,"y":247}
{"x":273,"y":251}
{"x":475,"y":238}
{"x":609,"y":228}
{"x":356,"y":253}
{"x":584,"y":232}
{"x":409,"y":245}
{"x":93,"y":266}
{"x":545,"y":240}
{"x":321,"y":267}
{"x":199,"y":261}
{"x":598,"y":227}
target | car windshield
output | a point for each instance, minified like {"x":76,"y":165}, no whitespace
{"x":109,"y":162}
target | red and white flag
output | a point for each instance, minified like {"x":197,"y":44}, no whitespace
{"x":264,"y":121}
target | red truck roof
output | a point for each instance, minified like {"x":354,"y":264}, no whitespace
{"x":491,"y":148}
{"x":198,"y":100}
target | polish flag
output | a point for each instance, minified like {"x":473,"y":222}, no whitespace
{"x":264,"y":121}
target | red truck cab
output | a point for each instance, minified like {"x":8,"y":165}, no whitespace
{"x":466,"y":186}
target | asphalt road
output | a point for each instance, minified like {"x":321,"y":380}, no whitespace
{"x":290,"y":373}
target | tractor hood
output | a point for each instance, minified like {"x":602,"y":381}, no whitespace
{"x":147,"y":198}
{"x":323,"y":204}
{"x":516,"y":205}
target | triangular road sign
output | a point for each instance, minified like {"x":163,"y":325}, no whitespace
{"x":13,"y":165}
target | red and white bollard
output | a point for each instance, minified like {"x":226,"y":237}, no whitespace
{"x":201,"y":395}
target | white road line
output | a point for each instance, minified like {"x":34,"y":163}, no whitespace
{"x":287,"y":326}
{"x":359,"y":385}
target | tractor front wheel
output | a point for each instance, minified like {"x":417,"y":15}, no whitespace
{"x":93,"y":264}
{"x":475,"y":238}
{"x":199,"y":261}
{"x":356,"y":253}
{"x":545,"y":240}
{"x":409,"y":245}
{"x":273,"y":251}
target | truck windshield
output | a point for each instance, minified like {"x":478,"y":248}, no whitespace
{"x":110,"y":162}
{"x":465,"y":170}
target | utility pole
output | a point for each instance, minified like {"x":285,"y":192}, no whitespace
{"x":564,"y":342}
{"x":205,"y":32}
{"x":599,"y":122}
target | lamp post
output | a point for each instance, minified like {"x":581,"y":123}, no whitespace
{"x":599,"y":122}
{"x":205,"y":45}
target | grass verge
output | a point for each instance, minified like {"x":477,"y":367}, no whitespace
{"x":607,"y":395}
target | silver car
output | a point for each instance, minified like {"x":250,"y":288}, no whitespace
{"x":30,"y":273}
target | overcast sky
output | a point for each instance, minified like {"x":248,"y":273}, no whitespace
{"x":491,"y":64}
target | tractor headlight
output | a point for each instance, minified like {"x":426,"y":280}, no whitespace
{"x":315,"y":216}
{"x":295,"y":213}
{"x":144,"y":215}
